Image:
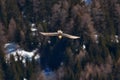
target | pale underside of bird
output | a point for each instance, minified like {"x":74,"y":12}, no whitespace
{"x":60,"y":34}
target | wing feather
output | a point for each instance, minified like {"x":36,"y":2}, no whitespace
{"x":49,"y":34}
{"x":70,"y":36}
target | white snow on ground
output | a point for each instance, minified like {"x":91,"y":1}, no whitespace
{"x":23,"y":61}
{"x":115,"y":39}
{"x":24,"y":79}
{"x":7,"y":44}
{"x":96,"y":38}
{"x":87,"y":1}
{"x":49,"y":41}
{"x":12,"y":49}
{"x":49,"y":75}
{"x":32,"y":24}
{"x":33,"y":29}
{"x":44,"y":21}
{"x":24,"y":54}
{"x":36,"y":57}
{"x":84,"y":47}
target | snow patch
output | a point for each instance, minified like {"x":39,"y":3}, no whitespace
{"x":24,"y":78}
{"x":115,"y":38}
{"x":49,"y":41}
{"x":19,"y":53}
{"x":48,"y":74}
{"x":32,"y":24}
{"x":33,"y":29}
{"x":84,"y":47}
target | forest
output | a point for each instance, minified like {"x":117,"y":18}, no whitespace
{"x":94,"y":56}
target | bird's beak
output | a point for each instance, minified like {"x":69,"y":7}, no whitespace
{"x":60,"y":37}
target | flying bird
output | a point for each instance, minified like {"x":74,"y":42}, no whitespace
{"x":60,"y":34}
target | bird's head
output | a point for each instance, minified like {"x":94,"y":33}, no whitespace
{"x":59,"y":32}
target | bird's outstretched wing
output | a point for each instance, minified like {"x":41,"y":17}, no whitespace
{"x":49,"y":34}
{"x":70,"y":36}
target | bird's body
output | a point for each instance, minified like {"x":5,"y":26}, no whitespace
{"x":60,"y":34}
